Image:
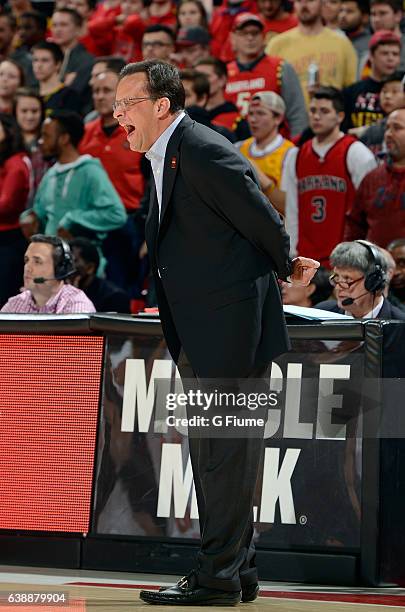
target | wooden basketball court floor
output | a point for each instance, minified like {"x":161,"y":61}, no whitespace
{"x":86,"y":591}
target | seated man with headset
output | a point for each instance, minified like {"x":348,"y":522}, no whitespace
{"x":360,"y":276}
{"x":48,"y":263}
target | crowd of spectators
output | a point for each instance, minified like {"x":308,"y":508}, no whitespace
{"x":310,"y":91}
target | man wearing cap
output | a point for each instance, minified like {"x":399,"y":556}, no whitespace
{"x":321,"y":177}
{"x":253,"y":71}
{"x":387,"y":15}
{"x":267,"y":150}
{"x":362,"y":99}
{"x":311,"y":43}
{"x":221,"y":26}
{"x":192,"y":44}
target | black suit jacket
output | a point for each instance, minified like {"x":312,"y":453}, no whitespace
{"x":388,"y":310}
{"x":216,"y":247}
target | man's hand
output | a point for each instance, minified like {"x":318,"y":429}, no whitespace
{"x":358,"y":131}
{"x":29,"y":225}
{"x":303,"y":271}
{"x":143,"y":251}
{"x":64,"y":234}
{"x":69,"y":78}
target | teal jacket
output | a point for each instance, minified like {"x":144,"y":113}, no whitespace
{"x":80,"y":198}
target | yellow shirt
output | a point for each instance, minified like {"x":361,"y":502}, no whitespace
{"x":333,"y":53}
{"x":271,"y":159}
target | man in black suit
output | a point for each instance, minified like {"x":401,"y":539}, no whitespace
{"x":215,"y":245}
{"x":360,"y":277}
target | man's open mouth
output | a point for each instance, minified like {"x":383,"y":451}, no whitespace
{"x":129,"y":128}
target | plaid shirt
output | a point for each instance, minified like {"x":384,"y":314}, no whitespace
{"x":68,"y":300}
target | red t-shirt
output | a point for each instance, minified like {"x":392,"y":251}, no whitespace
{"x":90,"y":44}
{"x":226,"y":120}
{"x":221,"y":27}
{"x":378,"y":210}
{"x":272,"y":27}
{"x":124,"y":40}
{"x":15,"y":183}
{"x":122,"y":165}
{"x":168,"y":19}
{"x":95,"y":44}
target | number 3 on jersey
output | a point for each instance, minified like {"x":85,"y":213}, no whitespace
{"x":319,"y":204}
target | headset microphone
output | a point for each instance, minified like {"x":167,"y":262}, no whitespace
{"x":350,"y":301}
{"x":64,"y":267}
{"x":375,"y":280}
{"x":40,"y":280}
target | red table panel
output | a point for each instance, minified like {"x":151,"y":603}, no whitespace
{"x":49,"y":397}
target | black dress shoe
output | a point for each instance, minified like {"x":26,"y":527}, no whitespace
{"x":187,"y":592}
{"x":250,"y":592}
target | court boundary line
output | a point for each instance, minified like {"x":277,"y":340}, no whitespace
{"x":333,"y":597}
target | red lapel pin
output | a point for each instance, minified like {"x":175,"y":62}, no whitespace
{"x":173,"y":163}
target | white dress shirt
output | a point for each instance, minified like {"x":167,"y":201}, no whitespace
{"x":373,"y":314}
{"x":157,"y":154}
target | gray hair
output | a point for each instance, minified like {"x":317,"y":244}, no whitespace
{"x":162,"y":81}
{"x":399,"y":242}
{"x":356,"y":255}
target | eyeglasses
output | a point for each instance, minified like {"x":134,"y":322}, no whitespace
{"x":344,"y":283}
{"x":125,"y":103}
{"x":248,"y":33}
{"x":155,"y":43}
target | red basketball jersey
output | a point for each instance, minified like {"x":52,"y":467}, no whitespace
{"x":325,"y":190}
{"x":264,"y":76}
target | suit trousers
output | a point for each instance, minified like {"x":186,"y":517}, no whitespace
{"x":225,"y":473}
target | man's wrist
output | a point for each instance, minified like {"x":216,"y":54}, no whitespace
{"x":270,"y":188}
{"x":290,"y":270}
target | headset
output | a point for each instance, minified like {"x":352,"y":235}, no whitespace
{"x":65,"y":267}
{"x":375,"y":280}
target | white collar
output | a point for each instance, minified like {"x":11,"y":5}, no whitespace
{"x":269,"y":148}
{"x":58,"y":167}
{"x":373,"y":314}
{"x":157,"y":151}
